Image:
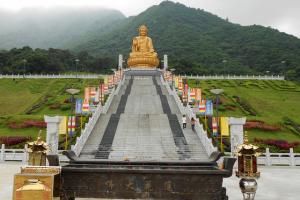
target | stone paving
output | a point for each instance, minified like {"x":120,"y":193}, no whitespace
{"x":276,"y":183}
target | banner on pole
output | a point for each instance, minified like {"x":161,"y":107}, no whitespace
{"x":224,"y":126}
{"x":198,"y":95}
{"x":86,"y":106}
{"x":63,"y":126}
{"x":78,"y":107}
{"x":71,"y":125}
{"x":202,"y":107}
{"x":214,"y":126}
{"x":209,"y":108}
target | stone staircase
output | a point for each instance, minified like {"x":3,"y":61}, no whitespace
{"x":143,"y":123}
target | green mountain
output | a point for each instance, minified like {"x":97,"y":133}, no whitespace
{"x":53,"y":27}
{"x":200,"y":42}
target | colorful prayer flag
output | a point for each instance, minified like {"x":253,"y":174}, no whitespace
{"x":71,"y":125}
{"x":180,"y":86}
{"x":202,"y":107}
{"x":198,"y":95}
{"x":192,"y":95}
{"x":86,"y":106}
{"x":92,"y":93}
{"x":214,"y":126}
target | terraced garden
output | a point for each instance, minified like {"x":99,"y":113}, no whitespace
{"x":276,"y":104}
{"x":24,"y":102}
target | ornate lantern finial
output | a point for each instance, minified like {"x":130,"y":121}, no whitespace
{"x":37,"y":151}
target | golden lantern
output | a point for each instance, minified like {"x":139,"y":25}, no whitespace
{"x":247,"y":168}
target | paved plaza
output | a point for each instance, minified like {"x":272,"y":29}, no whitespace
{"x":276,"y":183}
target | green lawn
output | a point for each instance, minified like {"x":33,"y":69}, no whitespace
{"x":272,"y":100}
{"x":20,"y":95}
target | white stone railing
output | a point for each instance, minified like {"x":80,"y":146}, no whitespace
{"x":202,"y":134}
{"x":289,"y":159}
{"x":80,"y":141}
{"x":234,"y":77}
{"x":37,"y":76}
{"x":22,"y":155}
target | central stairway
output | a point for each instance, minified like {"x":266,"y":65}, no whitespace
{"x":143,"y":123}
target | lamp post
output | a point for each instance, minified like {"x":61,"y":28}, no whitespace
{"x":76,"y":62}
{"x":72,"y":92}
{"x":217,"y":93}
{"x":114,"y":72}
{"x":224,"y":64}
{"x":172,"y":71}
{"x":24,"y":67}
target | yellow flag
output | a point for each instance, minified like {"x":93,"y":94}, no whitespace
{"x":63,"y":126}
{"x":224,"y":126}
{"x":106,"y":80}
{"x":176,"y":81}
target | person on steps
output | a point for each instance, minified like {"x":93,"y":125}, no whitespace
{"x":183,"y":121}
{"x":193,"y":122}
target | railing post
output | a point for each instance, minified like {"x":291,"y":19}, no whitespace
{"x":268,"y":157}
{"x":25,"y":155}
{"x":292,"y":157}
{"x":2,"y":155}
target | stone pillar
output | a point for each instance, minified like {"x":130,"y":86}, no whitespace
{"x":52,"y":132}
{"x":236,"y":132}
{"x":165,"y":62}
{"x":120,"y":61}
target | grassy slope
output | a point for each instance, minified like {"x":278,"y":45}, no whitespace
{"x":18,"y":96}
{"x":272,"y":100}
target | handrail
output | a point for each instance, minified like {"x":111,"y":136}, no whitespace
{"x":201,"y":133}
{"x":80,"y":141}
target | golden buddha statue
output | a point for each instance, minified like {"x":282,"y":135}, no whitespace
{"x":142,"y":54}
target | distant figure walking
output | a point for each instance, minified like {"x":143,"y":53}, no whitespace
{"x":183,"y":121}
{"x":193,"y":122}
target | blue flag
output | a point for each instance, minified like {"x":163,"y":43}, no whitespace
{"x":209,"y":108}
{"x":78,"y":109}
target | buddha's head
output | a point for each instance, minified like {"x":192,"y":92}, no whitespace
{"x":143,"y":30}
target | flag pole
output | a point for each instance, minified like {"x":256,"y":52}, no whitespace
{"x":221,"y":136}
{"x":66,"y":142}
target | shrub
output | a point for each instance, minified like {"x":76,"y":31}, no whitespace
{"x":27,"y":124}
{"x":280,"y":144}
{"x":55,"y":106}
{"x":65,"y":107}
{"x":14,"y":140}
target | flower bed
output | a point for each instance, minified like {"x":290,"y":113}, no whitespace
{"x":280,"y":144}
{"x":27,"y":124}
{"x":14,"y":140}
{"x":256,"y":124}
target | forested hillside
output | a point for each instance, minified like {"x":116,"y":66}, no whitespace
{"x":53,"y":27}
{"x":195,"y":40}
{"x":200,"y":42}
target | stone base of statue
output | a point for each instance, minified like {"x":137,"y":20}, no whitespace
{"x":143,"y":62}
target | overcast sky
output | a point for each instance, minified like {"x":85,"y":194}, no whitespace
{"x":281,"y":14}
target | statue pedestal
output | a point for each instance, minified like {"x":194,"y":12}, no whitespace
{"x":143,"y":68}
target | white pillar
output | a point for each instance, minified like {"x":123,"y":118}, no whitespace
{"x":2,"y":155}
{"x":292,"y":157}
{"x":52,"y":132}
{"x":120,"y":61}
{"x":236,"y":132}
{"x":165,"y":62}
{"x":25,"y":155}
{"x":268,"y":157}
